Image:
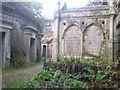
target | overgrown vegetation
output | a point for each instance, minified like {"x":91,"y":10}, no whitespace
{"x":75,"y":73}
{"x":10,"y":68}
{"x":20,"y":80}
{"x":18,"y":60}
{"x":18,"y":84}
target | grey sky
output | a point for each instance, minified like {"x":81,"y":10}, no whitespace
{"x":50,"y":6}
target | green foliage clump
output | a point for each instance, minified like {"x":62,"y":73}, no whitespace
{"x":54,"y":79}
{"x":75,"y":73}
{"x":88,"y":79}
{"x":18,"y":60}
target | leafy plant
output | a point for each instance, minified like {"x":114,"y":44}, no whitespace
{"x":65,"y":74}
{"x":73,"y":83}
{"x":18,"y":60}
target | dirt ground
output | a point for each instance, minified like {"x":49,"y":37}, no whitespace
{"x":18,"y":75}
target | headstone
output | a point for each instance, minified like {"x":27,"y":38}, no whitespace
{"x":72,"y":41}
{"x":93,"y":40}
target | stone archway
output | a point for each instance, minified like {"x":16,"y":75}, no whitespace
{"x":92,"y":41}
{"x":72,"y":41}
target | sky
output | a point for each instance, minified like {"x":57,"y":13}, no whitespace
{"x":50,"y":6}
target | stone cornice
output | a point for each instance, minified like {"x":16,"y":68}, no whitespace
{"x":83,"y":9}
{"x":31,"y":28}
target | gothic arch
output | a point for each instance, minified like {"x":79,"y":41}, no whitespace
{"x":99,"y":26}
{"x":92,"y":40}
{"x":72,"y":40}
{"x":68,"y":29}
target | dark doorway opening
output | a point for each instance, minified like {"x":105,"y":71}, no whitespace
{"x":3,"y":48}
{"x":44,"y":51}
{"x":32,"y":49}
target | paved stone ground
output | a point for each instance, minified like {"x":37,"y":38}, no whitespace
{"x":17,"y":76}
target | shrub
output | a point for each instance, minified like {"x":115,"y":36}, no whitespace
{"x":62,"y":75}
{"x":18,"y":60}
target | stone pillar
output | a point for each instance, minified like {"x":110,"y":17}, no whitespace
{"x":5,"y":41}
{"x":39,"y":46}
{"x":33,"y":47}
{"x":27,"y":45}
{"x":62,"y":46}
{"x":5,"y":46}
{"x":56,"y":38}
{"x":0,"y":60}
{"x":0,"y":49}
{"x":30,"y":43}
{"x":5,"y":32}
{"x":81,"y":45}
{"x":111,"y":32}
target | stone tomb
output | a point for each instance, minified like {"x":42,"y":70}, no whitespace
{"x":5,"y":34}
{"x":30,"y":43}
{"x":91,"y":39}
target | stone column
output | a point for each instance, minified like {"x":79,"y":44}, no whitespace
{"x":111,"y":38}
{"x":62,"y":47}
{"x":0,"y":49}
{"x":27,"y":36}
{"x":81,"y":45}
{"x":111,"y":32}
{"x":56,"y":41}
{"x":56,"y":37}
{"x":5,"y":44}
{"x":58,"y":34}
{"x":7,"y":47}
{"x":40,"y":35}
{"x":35,"y":57}
{"x":5,"y":41}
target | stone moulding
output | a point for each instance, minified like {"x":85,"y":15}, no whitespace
{"x":67,"y":29}
{"x":5,"y":28}
{"x":31,"y":28}
{"x":3,"y":20}
{"x":83,"y":9}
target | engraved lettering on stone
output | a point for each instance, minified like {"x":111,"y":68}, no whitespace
{"x":72,"y":41}
{"x":92,"y":44}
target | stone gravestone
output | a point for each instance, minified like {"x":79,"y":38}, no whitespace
{"x":72,"y":41}
{"x":93,"y":40}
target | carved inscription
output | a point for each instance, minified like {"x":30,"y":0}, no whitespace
{"x":72,"y":41}
{"x":93,"y":40}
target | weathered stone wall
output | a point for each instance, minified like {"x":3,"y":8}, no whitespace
{"x":47,"y":37}
{"x":25,"y":29}
{"x":5,"y":34}
{"x":117,"y":33}
{"x":82,"y":31}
